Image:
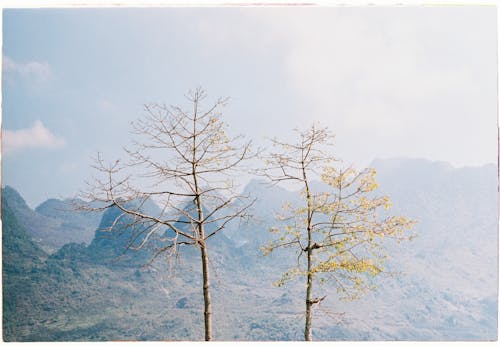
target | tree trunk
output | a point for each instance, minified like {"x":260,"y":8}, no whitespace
{"x":309,"y":303}
{"x":206,"y":293}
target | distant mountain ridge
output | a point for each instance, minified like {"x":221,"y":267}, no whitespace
{"x":447,"y":289}
{"x":54,"y":222}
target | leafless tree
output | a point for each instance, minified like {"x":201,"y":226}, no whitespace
{"x":185,"y":162}
{"x":339,"y":227}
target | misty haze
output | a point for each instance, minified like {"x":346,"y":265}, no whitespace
{"x":250,"y":174}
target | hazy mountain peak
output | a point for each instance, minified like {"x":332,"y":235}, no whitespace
{"x":13,"y":197}
{"x":255,"y":185}
{"x":398,"y":163}
{"x":50,"y":204}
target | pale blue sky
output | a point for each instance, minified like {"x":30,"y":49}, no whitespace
{"x":389,"y":81}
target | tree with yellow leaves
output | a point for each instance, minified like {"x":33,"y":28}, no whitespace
{"x":338,"y":230}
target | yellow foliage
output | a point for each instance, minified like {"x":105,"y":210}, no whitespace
{"x":350,"y":265}
{"x":347,"y":224}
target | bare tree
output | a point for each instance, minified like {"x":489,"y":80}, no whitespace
{"x":185,"y":162}
{"x":340,"y":226}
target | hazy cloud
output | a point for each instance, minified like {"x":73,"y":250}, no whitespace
{"x":33,"y":70}
{"x":401,"y":80}
{"x":38,"y":136}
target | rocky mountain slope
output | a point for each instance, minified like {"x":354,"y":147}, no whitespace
{"x":54,"y":222}
{"x":447,"y":288}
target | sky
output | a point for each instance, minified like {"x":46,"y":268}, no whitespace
{"x":388,"y":81}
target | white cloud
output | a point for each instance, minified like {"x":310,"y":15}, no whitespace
{"x":38,"y":136}
{"x":34,"y":71}
{"x":394,"y":82}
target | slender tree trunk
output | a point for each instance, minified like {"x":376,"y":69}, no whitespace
{"x":309,"y":303}
{"x":308,"y":328}
{"x":206,"y":293}
{"x":207,"y":312}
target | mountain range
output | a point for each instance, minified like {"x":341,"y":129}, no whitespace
{"x":64,"y":279}
{"x":54,"y":222}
